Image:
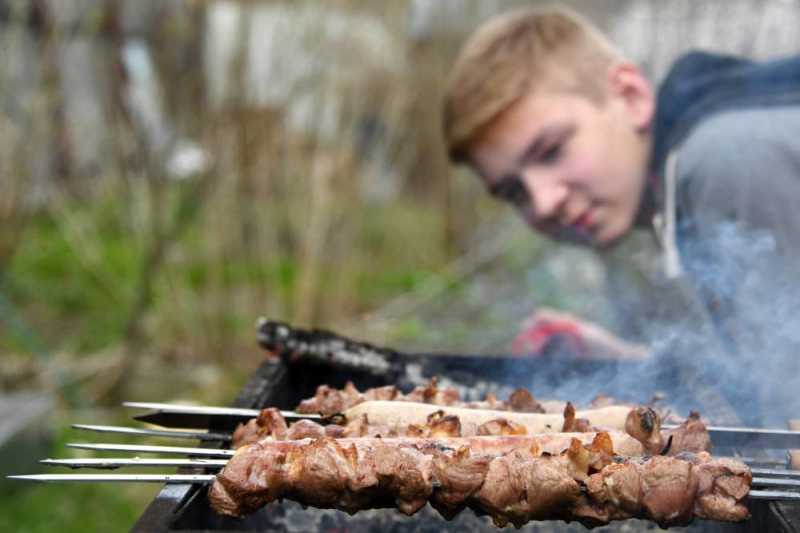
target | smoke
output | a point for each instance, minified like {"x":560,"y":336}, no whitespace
{"x":737,"y":362}
{"x":736,"y":366}
{"x":743,"y":361}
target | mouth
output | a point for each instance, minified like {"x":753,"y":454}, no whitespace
{"x":584,"y":223}
{"x":580,"y":230}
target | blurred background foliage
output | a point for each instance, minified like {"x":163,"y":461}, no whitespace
{"x":172,"y":170}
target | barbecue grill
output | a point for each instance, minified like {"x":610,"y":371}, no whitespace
{"x":309,"y":359}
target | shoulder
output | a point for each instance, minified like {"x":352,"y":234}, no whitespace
{"x":743,"y":165}
{"x":746,"y":148}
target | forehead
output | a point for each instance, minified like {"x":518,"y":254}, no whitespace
{"x":508,"y":136}
{"x":532,"y":112}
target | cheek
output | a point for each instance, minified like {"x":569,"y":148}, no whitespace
{"x":586,"y":170}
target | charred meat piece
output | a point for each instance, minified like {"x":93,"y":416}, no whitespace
{"x":439,"y":425}
{"x":522,"y":401}
{"x":573,"y":424}
{"x":432,"y":394}
{"x":328,"y":400}
{"x":644,"y":424}
{"x":269,"y":423}
{"x":690,"y":436}
{"x":584,"y":483}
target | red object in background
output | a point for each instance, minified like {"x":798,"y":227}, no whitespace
{"x":534,"y":341}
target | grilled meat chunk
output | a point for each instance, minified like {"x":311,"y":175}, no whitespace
{"x":573,"y":424}
{"x":269,"y":422}
{"x":644,"y":424}
{"x":522,"y":401}
{"x":690,"y":436}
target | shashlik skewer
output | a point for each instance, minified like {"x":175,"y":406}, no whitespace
{"x":214,"y":464}
{"x":209,"y":478}
{"x":583,"y":483}
{"x":533,"y":445}
{"x":391,"y":414}
{"x":171,"y":415}
{"x":182,"y":479}
{"x":329,"y":401}
{"x":598,"y":457}
{"x":114,"y":463}
{"x":505,"y":444}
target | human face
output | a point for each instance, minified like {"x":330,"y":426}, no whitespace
{"x":573,"y":168}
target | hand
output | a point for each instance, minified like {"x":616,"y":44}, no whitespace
{"x":549,"y":331}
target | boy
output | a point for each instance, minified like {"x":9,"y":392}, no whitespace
{"x":556,"y":123}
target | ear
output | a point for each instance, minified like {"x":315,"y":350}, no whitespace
{"x":627,"y":83}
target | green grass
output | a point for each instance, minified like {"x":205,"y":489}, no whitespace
{"x":79,"y":308}
{"x":76,"y":287}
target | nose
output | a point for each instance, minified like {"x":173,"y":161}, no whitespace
{"x":548,"y":195}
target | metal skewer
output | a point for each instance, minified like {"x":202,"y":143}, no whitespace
{"x":200,"y":435}
{"x":773,"y":495}
{"x":751,"y":437}
{"x":126,"y":478}
{"x":209,"y":452}
{"x":137,"y":448}
{"x":189,"y":416}
{"x":208,"y":478}
{"x":212,"y":452}
{"x":113,"y":463}
{"x":775,"y":472}
{"x":776,"y":482}
{"x":768,"y":478}
{"x":172,"y":433}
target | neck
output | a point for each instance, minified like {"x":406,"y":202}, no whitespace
{"x":647,"y":203}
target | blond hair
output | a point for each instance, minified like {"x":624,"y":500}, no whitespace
{"x":513,"y":54}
